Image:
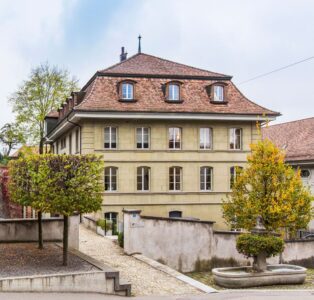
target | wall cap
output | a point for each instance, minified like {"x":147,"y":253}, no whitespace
{"x":177,"y":219}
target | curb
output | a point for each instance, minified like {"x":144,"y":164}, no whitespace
{"x":163,"y":268}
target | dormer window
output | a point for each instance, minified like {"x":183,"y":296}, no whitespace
{"x":173,"y":92}
{"x":127,"y":91}
{"x":218,"y":93}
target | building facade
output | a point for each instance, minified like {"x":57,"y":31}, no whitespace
{"x":170,"y":135}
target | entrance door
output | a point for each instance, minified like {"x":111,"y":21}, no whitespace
{"x":113,"y":218}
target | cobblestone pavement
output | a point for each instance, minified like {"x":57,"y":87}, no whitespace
{"x":145,"y":280}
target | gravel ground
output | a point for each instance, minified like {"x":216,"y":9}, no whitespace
{"x":207,"y":278}
{"x":145,"y":280}
{"x":26,"y":259}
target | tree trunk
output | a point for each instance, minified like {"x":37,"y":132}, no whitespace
{"x":40,"y":231}
{"x":65,"y":239}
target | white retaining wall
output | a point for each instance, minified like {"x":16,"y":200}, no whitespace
{"x":189,"y":245}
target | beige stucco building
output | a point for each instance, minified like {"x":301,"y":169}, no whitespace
{"x":170,"y":136}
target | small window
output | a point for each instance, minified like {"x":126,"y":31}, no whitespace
{"x":173,"y":92}
{"x":234,"y":172}
{"x":77,"y":141}
{"x":110,"y":138}
{"x":218,"y":93}
{"x":235,"y":138}
{"x":63,"y":143}
{"x":175,"y":178}
{"x":70,"y":143}
{"x":127,"y":91}
{"x":57,"y":147}
{"x":305,"y":173}
{"x":205,"y":138}
{"x":142,"y":138}
{"x":143,"y":178}
{"x":175,"y":214}
{"x":206,"y":178}
{"x":174,"y":138}
{"x":111,"y":178}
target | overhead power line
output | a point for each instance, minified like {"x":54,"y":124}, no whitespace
{"x":277,"y":70}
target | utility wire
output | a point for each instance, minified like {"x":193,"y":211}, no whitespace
{"x":277,"y":70}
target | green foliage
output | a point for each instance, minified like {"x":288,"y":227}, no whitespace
{"x":101,"y":223}
{"x":46,"y":89}
{"x":251,"y":245}
{"x":10,"y":137}
{"x":121,"y":239}
{"x":62,"y":184}
{"x":271,"y":189}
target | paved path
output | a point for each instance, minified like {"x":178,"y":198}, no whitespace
{"x":145,"y":280}
{"x":240,"y":295}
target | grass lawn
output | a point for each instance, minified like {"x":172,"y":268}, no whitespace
{"x":207,"y":278}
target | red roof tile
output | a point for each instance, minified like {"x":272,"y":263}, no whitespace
{"x":144,"y":64}
{"x":296,"y":137}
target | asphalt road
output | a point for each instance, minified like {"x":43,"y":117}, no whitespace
{"x":229,"y":295}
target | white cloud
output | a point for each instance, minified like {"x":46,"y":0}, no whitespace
{"x":27,"y":30}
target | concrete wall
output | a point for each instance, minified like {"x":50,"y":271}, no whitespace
{"x":170,"y":241}
{"x":159,"y":201}
{"x":188,"y":245}
{"x":26,"y":230}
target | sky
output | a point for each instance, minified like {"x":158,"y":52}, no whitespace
{"x":242,"y":38}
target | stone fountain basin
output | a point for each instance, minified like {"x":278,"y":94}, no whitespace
{"x":243,"y":277}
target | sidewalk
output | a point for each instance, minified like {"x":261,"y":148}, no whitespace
{"x":145,"y":280}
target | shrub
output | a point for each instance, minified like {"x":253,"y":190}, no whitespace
{"x":101,"y":223}
{"x":251,"y":245}
{"x":121,"y":239}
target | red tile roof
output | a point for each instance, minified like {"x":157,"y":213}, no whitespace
{"x":296,"y":137}
{"x":144,"y":64}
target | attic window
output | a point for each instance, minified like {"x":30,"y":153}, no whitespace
{"x":173,"y":92}
{"x":218,"y":93}
{"x":127,"y":91}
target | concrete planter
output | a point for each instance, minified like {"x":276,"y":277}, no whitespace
{"x":100,"y":231}
{"x":242,"y":277}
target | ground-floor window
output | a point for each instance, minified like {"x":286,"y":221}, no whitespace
{"x":175,"y":214}
{"x":112,"y":222}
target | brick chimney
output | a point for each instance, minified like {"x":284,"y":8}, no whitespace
{"x":123,"y":55}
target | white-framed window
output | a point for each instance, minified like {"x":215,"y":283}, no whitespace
{"x":143,"y":174}
{"x":234,"y":171}
{"x":218,"y":93}
{"x":174,"y":138}
{"x":206,"y":138}
{"x":173,"y":92}
{"x":110,"y":137}
{"x":206,"y":176}
{"x":175,"y":174}
{"x":70,"y":143}
{"x":142,"y":138}
{"x":127,"y":91}
{"x":63,"y":143}
{"x":77,"y":141}
{"x":235,"y":138}
{"x":111,"y":178}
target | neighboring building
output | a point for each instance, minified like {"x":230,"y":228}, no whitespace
{"x":170,"y":135}
{"x":297,"y":139}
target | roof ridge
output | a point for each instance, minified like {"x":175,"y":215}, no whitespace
{"x":166,"y":60}
{"x":185,"y":65}
{"x":119,"y":63}
{"x":288,"y":122}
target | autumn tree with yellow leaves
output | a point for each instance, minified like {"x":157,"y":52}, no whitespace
{"x":271,"y":189}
